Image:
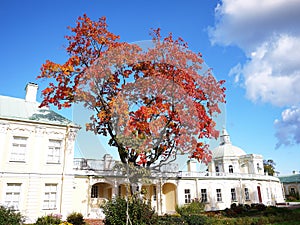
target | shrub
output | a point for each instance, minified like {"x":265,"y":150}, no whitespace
{"x":75,"y":218}
{"x":195,"y":207}
{"x":139,"y":211}
{"x":10,"y":217}
{"x":52,"y":219}
{"x":195,"y":219}
{"x":229,"y":212}
{"x":169,"y":219}
{"x":240,"y":208}
{"x":233,"y":206}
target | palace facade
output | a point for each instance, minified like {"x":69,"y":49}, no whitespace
{"x":39,"y":175}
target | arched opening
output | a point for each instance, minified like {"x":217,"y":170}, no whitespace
{"x":230,"y":169}
{"x":123,"y":190}
{"x":169,"y":191}
{"x":149,"y":191}
{"x":100,"y":193}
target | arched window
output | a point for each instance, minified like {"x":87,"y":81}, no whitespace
{"x":230,"y":169}
{"x":258,"y":167}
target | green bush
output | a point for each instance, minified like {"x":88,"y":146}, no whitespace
{"x":76,"y":218}
{"x":195,"y":207}
{"x":169,"y":219}
{"x":259,"y":207}
{"x":140,"y":213}
{"x":195,"y":219}
{"x":10,"y":217}
{"x":51,"y":219}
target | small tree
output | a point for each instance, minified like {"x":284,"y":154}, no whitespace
{"x":269,"y":167}
{"x":119,"y":211}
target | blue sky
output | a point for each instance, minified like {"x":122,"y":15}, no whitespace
{"x":253,"y":45}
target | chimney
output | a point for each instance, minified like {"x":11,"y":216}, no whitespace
{"x":31,"y":91}
{"x":192,"y":166}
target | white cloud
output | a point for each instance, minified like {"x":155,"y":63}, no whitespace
{"x":288,"y":127}
{"x":268,"y":32}
{"x":249,"y":23}
{"x":272,"y":73}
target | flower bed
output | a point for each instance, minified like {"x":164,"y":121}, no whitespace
{"x":94,"y":222}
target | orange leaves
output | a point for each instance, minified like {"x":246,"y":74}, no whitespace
{"x":152,"y":103}
{"x":47,"y":91}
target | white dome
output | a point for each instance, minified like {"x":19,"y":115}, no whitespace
{"x":226,"y":149}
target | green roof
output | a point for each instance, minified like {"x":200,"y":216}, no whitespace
{"x":290,"y":179}
{"x":19,"y":109}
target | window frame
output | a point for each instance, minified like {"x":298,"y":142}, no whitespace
{"x":187,"y":196}
{"x":95,"y":191}
{"x":233,"y":195}
{"x":18,"y":149}
{"x":292,"y":191}
{"x":247,"y":194}
{"x":154,"y":195}
{"x":13,"y":193}
{"x":50,"y":203}
{"x":54,"y":151}
{"x":230,"y":168}
{"x":204,"y":198}
{"x":219,"y":194}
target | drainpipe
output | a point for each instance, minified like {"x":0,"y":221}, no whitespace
{"x":160,"y":195}
{"x":88,"y":196}
{"x":63,"y":169}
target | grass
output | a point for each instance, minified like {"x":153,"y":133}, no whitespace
{"x":250,"y":216}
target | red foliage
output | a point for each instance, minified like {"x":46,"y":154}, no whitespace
{"x":153,"y":104}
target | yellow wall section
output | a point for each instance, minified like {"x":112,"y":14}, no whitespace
{"x":169,"y":190}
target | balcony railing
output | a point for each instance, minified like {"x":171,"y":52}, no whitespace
{"x":104,"y":168}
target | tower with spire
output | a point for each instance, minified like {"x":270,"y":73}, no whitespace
{"x":224,"y":137}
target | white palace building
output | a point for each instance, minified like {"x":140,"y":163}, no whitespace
{"x":39,"y":174}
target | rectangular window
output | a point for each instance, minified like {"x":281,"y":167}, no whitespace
{"x":94,"y":191}
{"x":233,"y":194}
{"x":54,"y":150}
{"x":154,"y":193}
{"x":292,"y":191}
{"x":18,"y":151}
{"x":217,"y":171}
{"x":247,"y":196}
{"x":12,"y":195}
{"x":268,"y":193}
{"x":219,"y":195}
{"x":187,"y":196}
{"x":203,"y":195}
{"x":50,"y":197}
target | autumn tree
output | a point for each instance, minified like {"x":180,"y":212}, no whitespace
{"x":152,"y":103}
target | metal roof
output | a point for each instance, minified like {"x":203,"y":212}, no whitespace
{"x":290,"y":179}
{"x":19,"y":109}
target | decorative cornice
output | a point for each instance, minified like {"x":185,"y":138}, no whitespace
{"x":40,"y":131}
{"x":4,"y":127}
